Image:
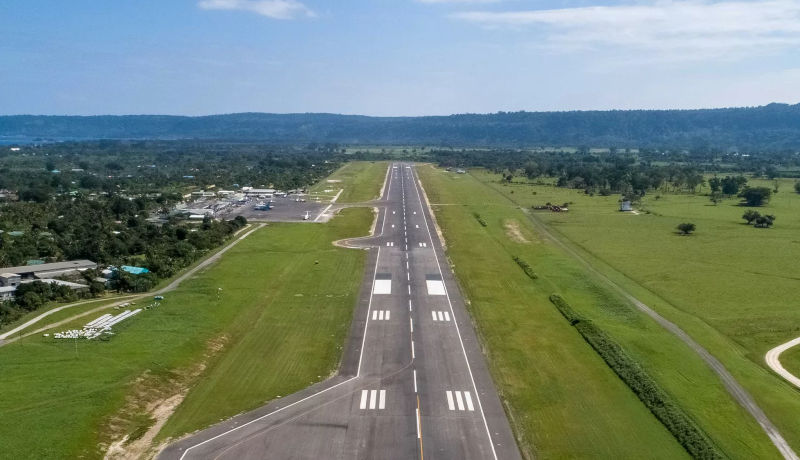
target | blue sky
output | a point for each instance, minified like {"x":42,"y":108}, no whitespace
{"x":394,"y":57}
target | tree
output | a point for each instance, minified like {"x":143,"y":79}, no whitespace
{"x":756,"y":196}
{"x":715,"y":183}
{"x":686,"y":228}
{"x":731,"y":185}
{"x":797,"y":187}
{"x":765,"y":221}
{"x":751,"y":215}
{"x":532,"y":170}
{"x":716,"y":197}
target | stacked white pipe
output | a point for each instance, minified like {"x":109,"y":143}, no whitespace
{"x":96,"y":327}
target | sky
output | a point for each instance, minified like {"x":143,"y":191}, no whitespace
{"x":394,"y":57}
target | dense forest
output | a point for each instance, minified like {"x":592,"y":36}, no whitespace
{"x":774,"y":127}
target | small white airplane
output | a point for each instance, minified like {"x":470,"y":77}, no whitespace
{"x":306,"y":216}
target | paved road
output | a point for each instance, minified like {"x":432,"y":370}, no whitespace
{"x":413,"y":382}
{"x":773,"y":361}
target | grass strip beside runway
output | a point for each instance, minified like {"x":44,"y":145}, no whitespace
{"x":563,"y":399}
{"x":686,"y":432}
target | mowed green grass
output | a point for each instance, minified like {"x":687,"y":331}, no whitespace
{"x":361,"y":181}
{"x":731,"y":286}
{"x":295,"y":298}
{"x":55,"y":399}
{"x":563,"y":399}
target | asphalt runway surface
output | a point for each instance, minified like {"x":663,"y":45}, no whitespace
{"x":413,"y":381}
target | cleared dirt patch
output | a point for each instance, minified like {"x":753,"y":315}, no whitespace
{"x":150,"y":403}
{"x":513,"y":231}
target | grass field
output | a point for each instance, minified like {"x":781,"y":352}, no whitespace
{"x":563,"y":400}
{"x":277,"y":324}
{"x":359,"y":180}
{"x":731,"y":286}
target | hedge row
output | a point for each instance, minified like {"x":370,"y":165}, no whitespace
{"x":661,"y":404}
{"x":479,"y":219}
{"x":525,"y":267}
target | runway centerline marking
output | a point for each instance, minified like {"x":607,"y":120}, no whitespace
{"x":458,"y":330}
{"x":388,"y":188}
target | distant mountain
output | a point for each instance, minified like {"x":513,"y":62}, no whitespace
{"x":771,"y":127}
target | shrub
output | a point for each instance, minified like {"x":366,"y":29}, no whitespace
{"x":755,"y":196}
{"x":479,"y":219}
{"x":686,"y":228}
{"x":765,"y":221}
{"x":750,"y":215}
{"x":526,"y":268}
{"x":660,"y":403}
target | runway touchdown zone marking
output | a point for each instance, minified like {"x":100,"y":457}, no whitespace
{"x":372,"y":399}
{"x":381,"y":315}
{"x":462,"y":399}
{"x":440,"y":315}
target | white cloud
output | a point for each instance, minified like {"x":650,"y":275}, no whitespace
{"x":457,"y":1}
{"x":276,"y":9}
{"x":675,"y":29}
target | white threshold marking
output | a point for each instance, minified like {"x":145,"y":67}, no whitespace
{"x":450,"y":404}
{"x":459,"y":401}
{"x":364,"y":394}
{"x":416,"y":225}
{"x":390,"y":243}
{"x":382,"y":400}
{"x":468,"y":400}
{"x":372,"y":398}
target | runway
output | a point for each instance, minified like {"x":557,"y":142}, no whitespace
{"x":413,"y":381}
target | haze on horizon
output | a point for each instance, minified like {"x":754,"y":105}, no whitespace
{"x":404,"y":57}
